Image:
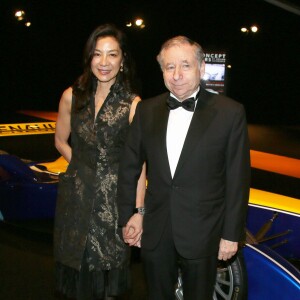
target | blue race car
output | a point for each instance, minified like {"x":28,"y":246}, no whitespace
{"x":267,"y":267}
{"x":27,"y":190}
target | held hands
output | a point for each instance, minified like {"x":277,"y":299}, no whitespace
{"x":227,"y":249}
{"x":132,"y":232}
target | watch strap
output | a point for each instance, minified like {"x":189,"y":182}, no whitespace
{"x":139,"y":210}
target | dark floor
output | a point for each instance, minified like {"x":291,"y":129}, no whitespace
{"x":26,"y":261}
{"x":27,"y":267}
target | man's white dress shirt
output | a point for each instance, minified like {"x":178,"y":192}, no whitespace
{"x":178,"y":125}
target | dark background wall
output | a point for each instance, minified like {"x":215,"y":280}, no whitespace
{"x":39,"y":62}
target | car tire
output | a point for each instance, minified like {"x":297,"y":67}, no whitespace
{"x":231,"y":281}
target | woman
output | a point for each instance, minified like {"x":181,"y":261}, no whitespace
{"x":92,"y":260}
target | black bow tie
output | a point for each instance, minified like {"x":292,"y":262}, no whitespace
{"x":188,"y":104}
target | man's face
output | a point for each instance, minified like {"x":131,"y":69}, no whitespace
{"x":181,"y":70}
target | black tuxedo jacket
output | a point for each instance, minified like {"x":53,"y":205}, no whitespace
{"x":207,"y":198}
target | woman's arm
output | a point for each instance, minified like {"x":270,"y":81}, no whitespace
{"x":63,"y":125}
{"x":141,"y":188}
{"x":132,"y":232}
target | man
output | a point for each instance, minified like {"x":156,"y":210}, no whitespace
{"x":198,"y":174}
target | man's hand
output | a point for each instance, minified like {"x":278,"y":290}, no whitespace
{"x":132,"y":232}
{"x":227,"y":249}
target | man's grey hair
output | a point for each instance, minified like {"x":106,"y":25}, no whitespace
{"x":177,"y":41}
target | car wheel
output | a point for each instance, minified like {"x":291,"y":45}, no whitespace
{"x":231,"y":281}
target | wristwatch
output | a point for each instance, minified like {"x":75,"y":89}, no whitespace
{"x":139,"y":210}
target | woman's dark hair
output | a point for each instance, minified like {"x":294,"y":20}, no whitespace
{"x":85,"y":86}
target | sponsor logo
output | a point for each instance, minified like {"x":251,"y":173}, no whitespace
{"x":27,"y":128}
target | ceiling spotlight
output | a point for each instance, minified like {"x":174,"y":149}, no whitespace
{"x":20,"y":15}
{"x":28,"y":24}
{"x":139,"y":22}
{"x":254,"y":28}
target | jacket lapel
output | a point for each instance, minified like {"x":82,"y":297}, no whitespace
{"x":160,"y":132}
{"x":202,"y":117}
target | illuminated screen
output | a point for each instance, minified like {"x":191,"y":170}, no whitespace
{"x":214,"y":72}
{"x":215,"y":66}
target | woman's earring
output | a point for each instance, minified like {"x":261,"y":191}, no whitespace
{"x":121,"y":69}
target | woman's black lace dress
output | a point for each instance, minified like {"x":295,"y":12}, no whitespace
{"x":88,"y":246}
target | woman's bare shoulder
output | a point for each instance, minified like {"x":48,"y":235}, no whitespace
{"x":67,"y":95}
{"x":135,"y":102}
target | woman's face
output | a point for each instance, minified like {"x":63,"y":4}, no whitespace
{"x":107,"y":59}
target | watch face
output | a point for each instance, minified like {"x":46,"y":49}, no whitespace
{"x":140,"y":210}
